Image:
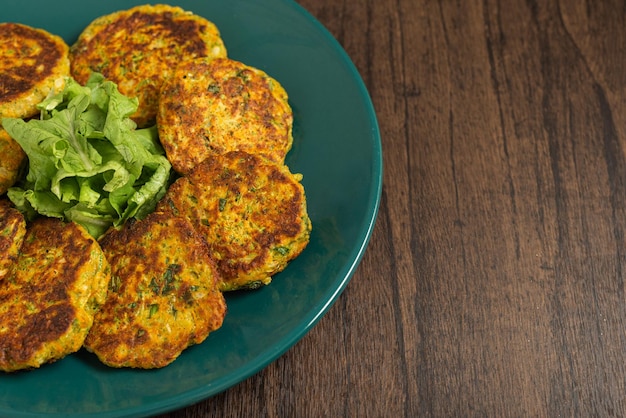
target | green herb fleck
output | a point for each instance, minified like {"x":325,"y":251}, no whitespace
{"x":169,"y":278}
{"x":154,"y":286}
{"x":172,"y":206}
{"x":244,"y":75}
{"x":115,"y":283}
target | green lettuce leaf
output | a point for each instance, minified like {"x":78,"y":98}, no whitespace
{"x":88,"y":162}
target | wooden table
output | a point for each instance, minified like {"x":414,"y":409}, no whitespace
{"x":494,"y":281}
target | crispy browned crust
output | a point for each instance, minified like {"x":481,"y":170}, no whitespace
{"x":47,"y":304}
{"x":32,"y":62}
{"x":12,"y":157}
{"x":12,"y":231}
{"x":252,"y":212}
{"x":138,"y":48}
{"x":163,"y":296}
{"x":212,"y":106}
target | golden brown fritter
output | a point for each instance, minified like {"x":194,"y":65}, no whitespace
{"x":251,"y":211}
{"x":12,"y":158}
{"x":32,"y":63}
{"x":138,"y":48}
{"x":47,"y":304}
{"x":12,"y":231}
{"x":163,"y":296}
{"x":212,"y":106}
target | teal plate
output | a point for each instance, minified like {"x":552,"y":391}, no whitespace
{"x":337,"y":148}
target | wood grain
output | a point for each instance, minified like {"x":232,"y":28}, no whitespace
{"x":494,"y":281}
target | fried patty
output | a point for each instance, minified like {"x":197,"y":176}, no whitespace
{"x":212,"y":106}
{"x":32,"y":63}
{"x":163,"y":296}
{"x":251,"y":211}
{"x":12,"y":157}
{"x":138,"y":48}
{"x":47,"y":304}
{"x":12,"y":231}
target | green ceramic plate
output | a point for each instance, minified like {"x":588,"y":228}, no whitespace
{"x":336,"y":147}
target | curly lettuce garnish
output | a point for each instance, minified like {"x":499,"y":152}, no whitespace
{"x":87,"y":162}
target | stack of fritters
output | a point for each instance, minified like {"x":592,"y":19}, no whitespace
{"x":138,"y":48}
{"x":33,"y":63}
{"x":49,"y":298}
{"x":235,"y":217}
{"x":53,"y":275}
{"x":225,"y":126}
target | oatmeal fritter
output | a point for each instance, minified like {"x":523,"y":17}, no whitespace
{"x":33,"y":62}
{"x":48,"y":302}
{"x":163,"y":296}
{"x":12,"y":231}
{"x":138,"y":48}
{"x":251,"y":211}
{"x":212,"y":106}
{"x":12,"y":159}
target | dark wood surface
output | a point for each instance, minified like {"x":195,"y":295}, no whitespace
{"x":494,"y":281}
